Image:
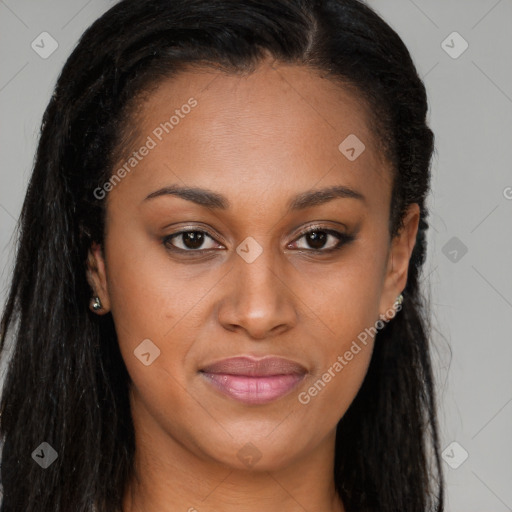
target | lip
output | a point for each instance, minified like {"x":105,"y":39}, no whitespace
{"x":254,"y":381}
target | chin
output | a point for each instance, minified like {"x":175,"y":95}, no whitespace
{"x":257,"y":455}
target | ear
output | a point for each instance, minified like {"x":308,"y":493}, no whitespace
{"x":97,"y":278}
{"x":400,"y":253}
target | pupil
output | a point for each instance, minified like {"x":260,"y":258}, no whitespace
{"x":317,"y":239}
{"x":193,"y":239}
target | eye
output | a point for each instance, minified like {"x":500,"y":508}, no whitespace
{"x":188,"y":241}
{"x":318,"y":238}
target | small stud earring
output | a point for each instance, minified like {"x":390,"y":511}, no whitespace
{"x":96,"y":303}
{"x":398,"y":302}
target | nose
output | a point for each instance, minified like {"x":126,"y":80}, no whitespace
{"x":258,"y":300}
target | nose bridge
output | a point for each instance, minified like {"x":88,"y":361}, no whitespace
{"x":257,"y":269}
{"x":257,"y":264}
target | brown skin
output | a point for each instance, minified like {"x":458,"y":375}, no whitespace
{"x":258,"y":140}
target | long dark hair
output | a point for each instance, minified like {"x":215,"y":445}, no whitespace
{"x":67,"y":384}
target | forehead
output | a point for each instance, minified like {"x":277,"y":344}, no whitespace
{"x":280,"y":125}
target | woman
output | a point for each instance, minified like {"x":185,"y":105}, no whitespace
{"x":216,"y":301}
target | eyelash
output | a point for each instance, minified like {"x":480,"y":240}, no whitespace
{"x":343,"y":238}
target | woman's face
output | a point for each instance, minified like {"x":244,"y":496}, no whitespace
{"x":242,"y":167}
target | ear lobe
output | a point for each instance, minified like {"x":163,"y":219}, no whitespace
{"x":97,"y":278}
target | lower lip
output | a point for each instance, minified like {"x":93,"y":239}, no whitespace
{"x":254,"y":390}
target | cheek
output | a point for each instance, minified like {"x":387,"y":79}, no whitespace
{"x":148,"y":302}
{"x":330,"y":393}
{"x":346,"y":299}
{"x":149,"y":293}
{"x":348,"y":312}
{"x":346,"y":315}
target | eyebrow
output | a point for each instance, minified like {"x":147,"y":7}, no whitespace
{"x":214,"y":201}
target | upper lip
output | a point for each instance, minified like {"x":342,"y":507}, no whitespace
{"x":251,"y":367}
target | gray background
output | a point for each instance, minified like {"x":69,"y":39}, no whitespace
{"x":471,"y":204}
